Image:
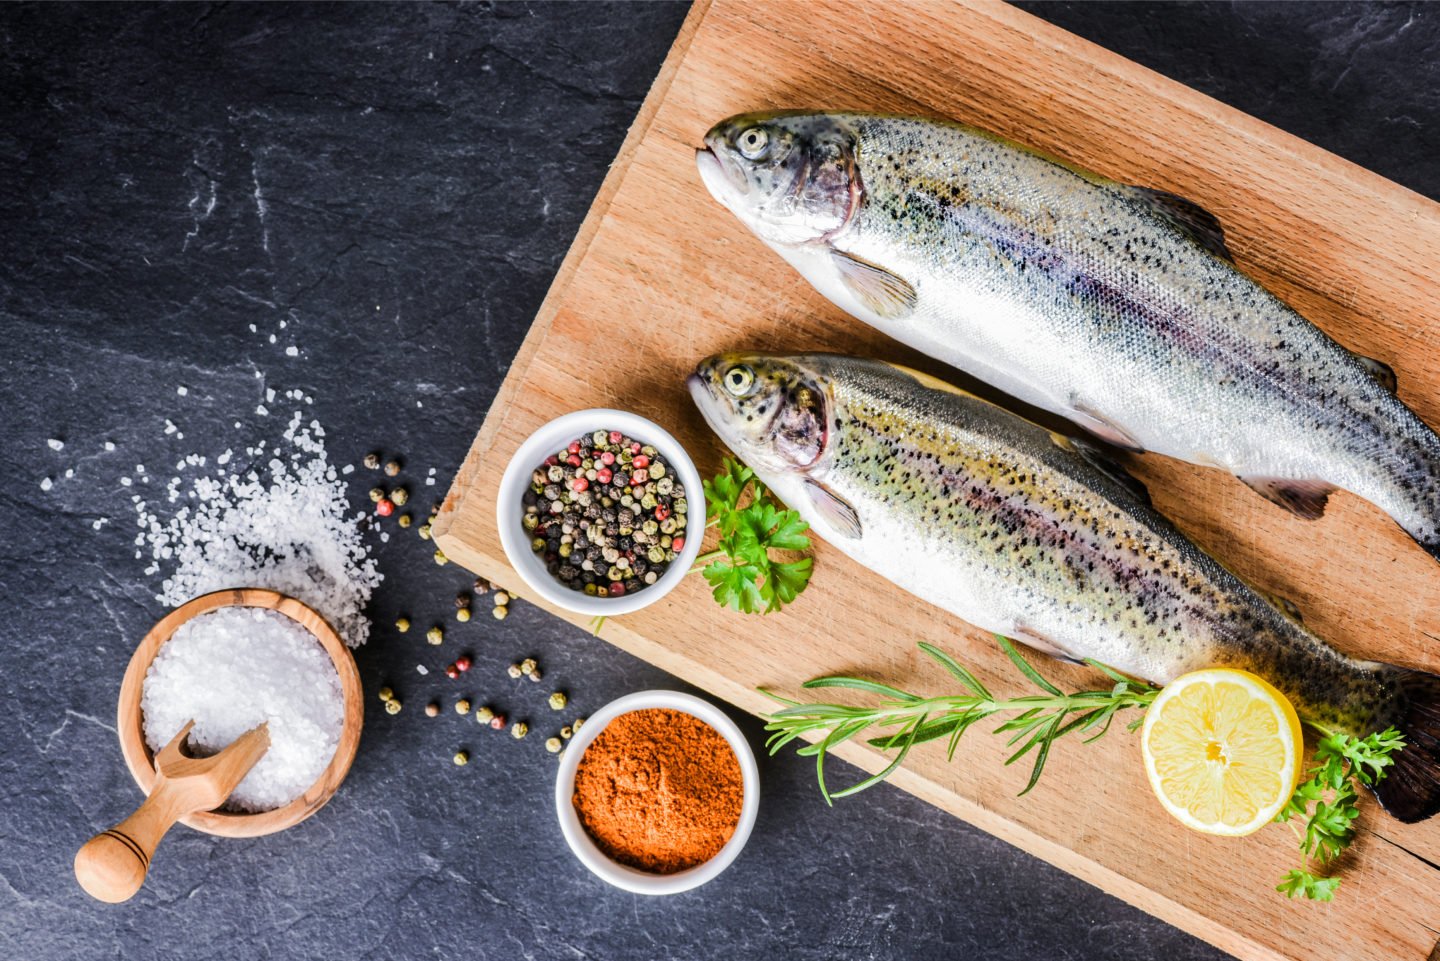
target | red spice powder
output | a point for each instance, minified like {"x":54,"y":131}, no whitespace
{"x":659,"y":790}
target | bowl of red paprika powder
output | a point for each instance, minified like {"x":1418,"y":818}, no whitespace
{"x":657,"y":793}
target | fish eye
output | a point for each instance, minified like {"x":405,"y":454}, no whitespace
{"x":752,"y":142}
{"x":738,"y":380}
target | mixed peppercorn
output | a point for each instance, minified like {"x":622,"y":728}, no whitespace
{"x":606,"y":514}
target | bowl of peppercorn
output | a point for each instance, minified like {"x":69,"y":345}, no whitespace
{"x":601,"y":512}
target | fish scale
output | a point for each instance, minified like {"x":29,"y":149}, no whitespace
{"x":1112,"y":305}
{"x":1021,"y":532}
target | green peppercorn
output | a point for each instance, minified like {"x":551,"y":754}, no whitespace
{"x":566,"y":733}
{"x":501,"y":598}
{"x":386,"y":694}
{"x":392,"y":467}
{"x":424,"y":532}
{"x":436,"y":635}
{"x":402,"y":624}
{"x":537,"y":544}
{"x":575,"y":724}
{"x":462,"y":615}
{"x":600,"y":438}
{"x":400,"y":495}
{"x":519,"y":729}
{"x":404,"y":520}
{"x":441,"y":559}
{"x":462,"y":706}
{"x":657,"y":470}
{"x":553,"y":745}
{"x":372,"y":461}
{"x":484,"y":714}
{"x":377,"y":494}
{"x":392,"y":706}
{"x":590,"y":590}
{"x":462,"y":758}
{"x":500,"y":613}
{"x":558,"y":700}
{"x":528,"y":666}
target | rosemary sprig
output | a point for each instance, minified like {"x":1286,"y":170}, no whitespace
{"x":1042,"y":719}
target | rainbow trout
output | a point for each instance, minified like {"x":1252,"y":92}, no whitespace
{"x":1117,"y":307}
{"x":1035,"y":536}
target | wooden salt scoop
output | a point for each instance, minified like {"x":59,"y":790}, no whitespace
{"x":112,"y":865}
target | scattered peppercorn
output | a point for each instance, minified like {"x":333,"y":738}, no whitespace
{"x":392,"y":467}
{"x":500,"y":613}
{"x":498,"y":722}
{"x":424,"y":532}
{"x":441,"y":559}
{"x":484,"y":714}
{"x":403,"y":520}
{"x":528,"y":666}
{"x":462,"y":758}
{"x":514,"y":670}
{"x":386,"y":694}
{"x":534,"y":676}
{"x":384,"y":507}
{"x":436,"y":635}
{"x":462,"y":706}
{"x":463,"y":662}
{"x":399,"y":495}
{"x":566,"y":733}
{"x":501,"y":598}
{"x":372,"y":461}
{"x":451,"y":671}
{"x":482,"y":586}
{"x":519,"y":730}
{"x":402,"y":624}
{"x":553,"y":745}
{"x":432,"y":709}
{"x":377,"y":494}
{"x":392,"y":706}
{"x":575,"y":724}
{"x":462,"y":615}
{"x":558,"y":700}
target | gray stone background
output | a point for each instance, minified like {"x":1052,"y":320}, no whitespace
{"x":401,"y":183}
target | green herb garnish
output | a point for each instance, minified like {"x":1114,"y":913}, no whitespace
{"x":1042,"y":719}
{"x":741,"y":573}
{"x":1327,"y":803}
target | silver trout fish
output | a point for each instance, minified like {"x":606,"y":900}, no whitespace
{"x":1033,"y":535}
{"x":1117,"y":307}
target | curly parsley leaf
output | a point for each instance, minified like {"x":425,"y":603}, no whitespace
{"x":1303,"y":884}
{"x":743,"y":575}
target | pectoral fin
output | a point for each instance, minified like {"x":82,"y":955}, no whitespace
{"x":1304,"y":498}
{"x":1188,"y":217}
{"x":1097,"y":459}
{"x":1383,"y":373}
{"x":836,"y":510}
{"x":1030,"y":637}
{"x":881,"y":291}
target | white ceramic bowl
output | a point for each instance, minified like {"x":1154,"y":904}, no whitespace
{"x":628,"y":878}
{"x":551,"y":438}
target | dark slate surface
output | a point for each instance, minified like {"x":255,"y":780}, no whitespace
{"x":399,"y":184}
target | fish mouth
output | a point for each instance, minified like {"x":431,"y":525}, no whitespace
{"x":724,"y":180}
{"x":700,"y":394}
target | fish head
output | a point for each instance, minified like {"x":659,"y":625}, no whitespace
{"x":790,"y":177}
{"x":772,"y":411}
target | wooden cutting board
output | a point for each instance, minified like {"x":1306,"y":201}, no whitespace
{"x":661,"y":276}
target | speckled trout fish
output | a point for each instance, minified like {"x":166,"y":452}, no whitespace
{"x":1117,"y":307}
{"x":1035,"y":536}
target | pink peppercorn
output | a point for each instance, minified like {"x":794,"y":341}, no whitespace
{"x":677,"y":544}
{"x":462,"y":662}
{"x":603,"y":475}
{"x":661,"y":512}
{"x":384,"y":507}
{"x":573,"y":460}
{"x":635,"y":447}
{"x":580,"y":484}
{"x":616,"y":437}
{"x":574,"y":447}
{"x":551,"y":461}
{"x":452,"y":671}
{"x":498,"y":722}
{"x":607,"y":458}
{"x":639,"y":477}
{"x":617,"y":589}
{"x":642,"y":461}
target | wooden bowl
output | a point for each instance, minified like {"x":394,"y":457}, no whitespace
{"x":129,"y":720}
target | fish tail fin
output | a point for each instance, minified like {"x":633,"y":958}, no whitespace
{"x":1411,"y":789}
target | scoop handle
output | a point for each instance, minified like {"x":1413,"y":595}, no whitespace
{"x":112,"y":865}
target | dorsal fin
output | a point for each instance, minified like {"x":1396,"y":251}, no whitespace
{"x":1191,"y":219}
{"x":1105,"y":464}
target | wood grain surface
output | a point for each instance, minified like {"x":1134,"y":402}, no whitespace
{"x":661,"y":276}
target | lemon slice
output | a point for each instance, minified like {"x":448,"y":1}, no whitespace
{"x":1223,"y":750}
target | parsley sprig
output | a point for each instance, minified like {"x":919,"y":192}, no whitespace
{"x":741,"y":572}
{"x":1327,"y":803}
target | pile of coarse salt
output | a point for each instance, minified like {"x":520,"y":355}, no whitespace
{"x":233,"y":668}
{"x":280,"y":524}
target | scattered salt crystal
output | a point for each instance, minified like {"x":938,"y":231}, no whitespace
{"x":272,"y":338}
{"x":348,"y":469}
{"x":139,"y":468}
{"x":182,"y":390}
{"x":384,"y":537}
{"x":169,"y":426}
{"x":125,"y":482}
{"x":46,"y":483}
{"x":269,"y":395}
{"x":69,"y":472}
{"x":429,"y":482}
{"x":421,"y":669}
{"x":292,"y":351}
{"x":233,"y":668}
{"x":252,"y":328}
{"x":101,"y":522}
{"x":419,"y":403}
{"x":430,"y":472}
{"x":262,"y":410}
{"x":284,"y":324}
{"x":56,"y":444}
{"x":237,"y":425}
{"x":109,"y":445}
